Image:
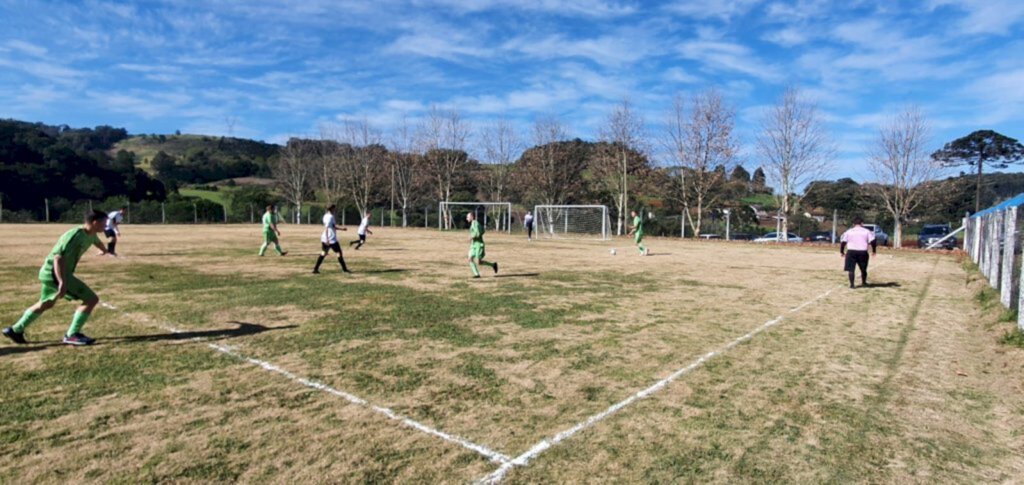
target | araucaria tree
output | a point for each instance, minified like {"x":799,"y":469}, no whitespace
{"x":293,"y":172}
{"x":701,"y":143}
{"x":901,"y":166}
{"x":624,"y":130}
{"x":978,"y":149}
{"x":794,"y":148}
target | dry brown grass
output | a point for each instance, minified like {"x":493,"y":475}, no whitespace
{"x":866,"y":385}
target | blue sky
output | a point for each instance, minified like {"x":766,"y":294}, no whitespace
{"x":270,"y":69}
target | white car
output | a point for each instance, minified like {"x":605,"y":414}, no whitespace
{"x":774,"y":237}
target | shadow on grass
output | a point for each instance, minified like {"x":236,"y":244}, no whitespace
{"x":890,"y":284}
{"x":658,"y":254}
{"x":243,"y":329}
{"x":517,"y":275}
{"x":382,"y":271}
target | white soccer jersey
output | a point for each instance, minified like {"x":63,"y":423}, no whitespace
{"x":528,"y":220}
{"x":363,"y":225}
{"x":112,"y":218}
{"x":329,"y":236}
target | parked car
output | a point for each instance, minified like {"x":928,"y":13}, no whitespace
{"x":880,"y":235}
{"x":819,"y":237}
{"x":932,"y":233}
{"x":710,"y":236}
{"x":774,"y":237}
{"x":741,"y":236}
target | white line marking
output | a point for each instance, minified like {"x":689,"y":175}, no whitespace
{"x":545,"y":444}
{"x":353,"y":399}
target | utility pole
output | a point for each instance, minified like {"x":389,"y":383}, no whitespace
{"x":835,"y":215}
{"x":727,"y":220}
{"x":47,"y":203}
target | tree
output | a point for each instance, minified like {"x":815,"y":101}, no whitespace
{"x":551,"y":172}
{"x":501,"y":146}
{"x":701,"y":142}
{"x":758,"y":181}
{"x":404,"y":167}
{"x":293,"y":171}
{"x":443,"y":137}
{"x":795,"y":149}
{"x":362,"y":163}
{"x":624,"y":129}
{"x":901,"y":166}
{"x":327,"y":164}
{"x":977,"y":149}
{"x":740,"y":175}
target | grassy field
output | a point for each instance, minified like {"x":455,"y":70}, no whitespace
{"x":220,"y":196}
{"x":214,"y":365}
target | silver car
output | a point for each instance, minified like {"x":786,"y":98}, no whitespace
{"x":880,"y":235}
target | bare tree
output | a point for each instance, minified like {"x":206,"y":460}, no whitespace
{"x":547,"y":173}
{"x":404,"y":167}
{"x":363,"y":159}
{"x":625,"y":130}
{"x":701,"y":143}
{"x":901,"y":166}
{"x":443,"y":138}
{"x":329,"y":166}
{"x":501,"y":145}
{"x":293,"y":172}
{"x":795,"y":149}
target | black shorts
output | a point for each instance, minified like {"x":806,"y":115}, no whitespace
{"x":333,"y":247}
{"x":110,"y":233}
{"x":856,"y":258}
{"x":362,"y":237}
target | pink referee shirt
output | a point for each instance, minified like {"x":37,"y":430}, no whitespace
{"x":858,"y":238}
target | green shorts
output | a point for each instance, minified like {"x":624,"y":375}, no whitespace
{"x":638,"y":236}
{"x":477,"y":251}
{"x":76,"y":290}
{"x":269,"y":237}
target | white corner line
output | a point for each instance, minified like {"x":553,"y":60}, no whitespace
{"x":353,"y":399}
{"x":545,"y":444}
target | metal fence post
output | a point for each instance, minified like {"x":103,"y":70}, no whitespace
{"x":163,"y":213}
{"x":46,"y":202}
{"x":195,"y":214}
{"x":1009,"y":249}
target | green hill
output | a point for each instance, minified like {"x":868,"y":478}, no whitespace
{"x":179,"y":160}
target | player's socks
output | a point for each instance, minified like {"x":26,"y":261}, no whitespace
{"x":476,"y":271}
{"x":26,"y":319}
{"x":77,"y":323}
{"x":851,"y":279}
{"x":319,"y":261}
{"x":263,"y":249}
{"x":111,"y":246}
{"x":277,"y":247}
{"x":341,"y":261}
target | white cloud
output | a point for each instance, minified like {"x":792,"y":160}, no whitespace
{"x":787,"y":37}
{"x":996,"y":17}
{"x":605,"y":50}
{"x":728,"y":56}
{"x":27,"y":48}
{"x":707,"y":9}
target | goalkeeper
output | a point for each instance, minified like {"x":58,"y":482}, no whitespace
{"x":476,"y":246}
{"x":638,"y":233}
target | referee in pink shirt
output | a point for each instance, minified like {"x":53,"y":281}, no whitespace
{"x":854,"y":246}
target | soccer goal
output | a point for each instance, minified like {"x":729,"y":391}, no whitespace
{"x":572,"y":221}
{"x":495,"y":216}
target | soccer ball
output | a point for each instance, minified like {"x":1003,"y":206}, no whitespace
{"x":612,"y":251}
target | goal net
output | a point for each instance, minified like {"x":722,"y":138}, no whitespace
{"x":572,"y":221}
{"x":495,"y":216}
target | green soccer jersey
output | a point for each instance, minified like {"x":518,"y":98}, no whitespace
{"x":638,"y":224}
{"x":269,"y":221}
{"x":476,"y":232}
{"x":71,"y":246}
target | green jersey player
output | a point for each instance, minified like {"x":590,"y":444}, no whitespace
{"x":476,"y":246}
{"x":638,"y":233}
{"x":57,"y":278}
{"x":270,"y":231}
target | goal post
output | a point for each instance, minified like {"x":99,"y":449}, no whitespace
{"x":572,"y":221}
{"x":496,"y":216}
